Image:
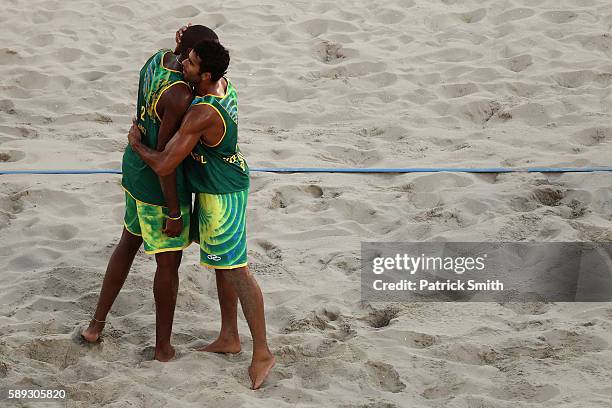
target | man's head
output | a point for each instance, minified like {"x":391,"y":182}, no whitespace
{"x":207,"y":61}
{"x":193,"y":35}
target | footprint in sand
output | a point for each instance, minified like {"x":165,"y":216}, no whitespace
{"x":63,"y":282}
{"x":271,"y":250}
{"x":350,"y":156}
{"x":380,"y":318}
{"x":576,"y":79}
{"x":357,"y":210}
{"x":593,"y":136}
{"x":453,"y":55}
{"x":513,"y":15}
{"x":559,"y":17}
{"x":184,"y":12}
{"x":60,"y":352}
{"x":318,"y":26}
{"x":534,"y":114}
{"x":330,"y":52}
{"x":480,"y":111}
{"x":43,"y":304}
{"x":384,"y":376}
{"x":125,"y":12}
{"x":287,"y":195}
{"x":412,"y":339}
{"x":347,"y":263}
{"x":392,"y":16}
{"x":458,"y":90}
{"x":473,"y":16}
{"x":382,"y":79}
{"x":314,"y":320}
{"x":282,"y":154}
{"x":531,"y":200}
{"x":312,"y":376}
{"x":569,"y":343}
{"x":57,"y":202}
{"x":62,"y":232}
{"x":518,"y":63}
{"x":522,"y":390}
{"x":92,"y":75}
{"x":13,"y":203}
{"x":527,"y":308}
{"x":599,"y":42}
{"x":7,"y":106}
{"x":11,"y":156}
{"x":440,"y":182}
{"x":65,"y":54}
{"x":42,"y":40}
{"x":99,"y":49}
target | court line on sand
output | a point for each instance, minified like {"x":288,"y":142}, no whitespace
{"x":351,"y":170}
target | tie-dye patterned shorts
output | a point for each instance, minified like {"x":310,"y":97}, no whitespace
{"x":218,"y":223}
{"x":147,"y":221}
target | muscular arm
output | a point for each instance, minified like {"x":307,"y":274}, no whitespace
{"x":198,"y":121}
{"x":171,"y":107}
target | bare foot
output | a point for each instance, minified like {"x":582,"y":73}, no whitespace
{"x":259,"y":370}
{"x":92,"y":333}
{"x":222,"y":345}
{"x":164,"y":354}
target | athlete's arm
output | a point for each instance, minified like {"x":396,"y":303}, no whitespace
{"x":171,"y":107}
{"x":198,"y":121}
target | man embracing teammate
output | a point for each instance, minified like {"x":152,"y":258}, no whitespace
{"x":157,"y":209}
{"x":217,"y":173}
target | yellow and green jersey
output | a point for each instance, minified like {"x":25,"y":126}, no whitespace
{"x":220,"y":168}
{"x":138,"y":178}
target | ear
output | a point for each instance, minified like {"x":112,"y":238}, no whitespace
{"x":206,"y":76}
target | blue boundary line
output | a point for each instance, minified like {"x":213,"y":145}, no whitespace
{"x":354,"y":170}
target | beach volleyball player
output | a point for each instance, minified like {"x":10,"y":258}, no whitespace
{"x":217,"y":172}
{"x":157,"y":209}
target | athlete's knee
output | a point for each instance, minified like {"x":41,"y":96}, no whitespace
{"x":236,"y":274}
{"x":166,"y":276}
{"x":168,"y":260}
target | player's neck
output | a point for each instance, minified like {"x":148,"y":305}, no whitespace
{"x":217,"y":88}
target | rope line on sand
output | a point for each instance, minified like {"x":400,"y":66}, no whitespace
{"x":353,"y":170}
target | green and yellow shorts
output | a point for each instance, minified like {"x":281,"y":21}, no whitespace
{"x":218,"y":223}
{"x":147,"y":221}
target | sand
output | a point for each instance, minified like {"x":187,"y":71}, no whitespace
{"x":398,"y":83}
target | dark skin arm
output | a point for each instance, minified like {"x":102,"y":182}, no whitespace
{"x":200,"y":123}
{"x":171,"y":107}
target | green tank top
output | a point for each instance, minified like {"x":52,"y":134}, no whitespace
{"x":221,"y":168}
{"x":138,"y":178}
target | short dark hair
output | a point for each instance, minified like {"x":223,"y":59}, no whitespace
{"x":214,"y":58}
{"x":196,"y":33}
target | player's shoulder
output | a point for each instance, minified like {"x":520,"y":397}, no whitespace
{"x":180,"y":90}
{"x":200,"y":116}
{"x":177,"y":97}
{"x":201,"y":110}
{"x":156,"y":58}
